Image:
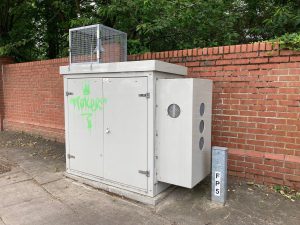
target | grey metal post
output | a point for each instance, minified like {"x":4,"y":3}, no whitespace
{"x":219,"y":174}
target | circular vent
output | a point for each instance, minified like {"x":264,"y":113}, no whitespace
{"x":201,"y":143}
{"x":201,"y":126}
{"x":202,"y":109}
{"x":173,"y":110}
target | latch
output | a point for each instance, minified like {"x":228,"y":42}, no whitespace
{"x":146,"y":95}
{"x":69,"y":93}
{"x":145,"y":172}
{"x":69,"y":156}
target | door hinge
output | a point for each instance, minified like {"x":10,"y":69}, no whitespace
{"x":69,"y":156}
{"x":145,"y":172}
{"x":69,"y":93}
{"x":146,"y":95}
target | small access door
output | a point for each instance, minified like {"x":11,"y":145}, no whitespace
{"x":85,"y":121}
{"x":125,"y":127}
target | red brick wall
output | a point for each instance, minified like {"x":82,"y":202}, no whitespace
{"x":256,"y":104}
{"x":3,"y":61}
{"x":33,"y":98}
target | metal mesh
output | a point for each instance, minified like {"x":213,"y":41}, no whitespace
{"x":97,"y":43}
{"x":173,"y":110}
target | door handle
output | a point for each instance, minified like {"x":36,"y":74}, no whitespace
{"x":107,"y":131}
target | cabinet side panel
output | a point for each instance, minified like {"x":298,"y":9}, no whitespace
{"x":202,"y":116}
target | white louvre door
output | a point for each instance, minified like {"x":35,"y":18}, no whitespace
{"x":125,"y":131}
{"x":85,"y":121}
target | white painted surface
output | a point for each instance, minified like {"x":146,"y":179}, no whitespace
{"x":201,"y":161}
{"x":125,"y":120}
{"x":117,"y":67}
{"x":180,"y":161}
{"x":85,"y":143}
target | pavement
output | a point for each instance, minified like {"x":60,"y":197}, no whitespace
{"x":35,"y":192}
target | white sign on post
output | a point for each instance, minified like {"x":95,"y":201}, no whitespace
{"x":217,"y":183}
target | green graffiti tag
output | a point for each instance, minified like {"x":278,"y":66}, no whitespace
{"x":87,"y":105}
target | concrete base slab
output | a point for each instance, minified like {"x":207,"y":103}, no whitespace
{"x":151,"y":201}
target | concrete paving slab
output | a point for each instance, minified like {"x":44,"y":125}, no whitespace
{"x":78,"y":195}
{"x":20,"y":192}
{"x":47,"y":177}
{"x":1,"y":222}
{"x":43,"y":200}
{"x":119,"y":217}
{"x":243,"y":207}
{"x":100,"y":206}
{"x":11,"y":178}
{"x":39,"y":211}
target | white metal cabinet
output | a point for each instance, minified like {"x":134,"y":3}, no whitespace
{"x":85,"y":123}
{"x":125,"y":125}
{"x":131,"y":145}
{"x":184,"y":130}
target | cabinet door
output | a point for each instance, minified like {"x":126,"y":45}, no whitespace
{"x":125,"y":127}
{"x":85,"y":125}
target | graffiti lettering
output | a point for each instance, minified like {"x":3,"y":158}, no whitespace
{"x":87,"y":105}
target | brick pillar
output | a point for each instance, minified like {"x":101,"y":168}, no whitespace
{"x":3,"y":61}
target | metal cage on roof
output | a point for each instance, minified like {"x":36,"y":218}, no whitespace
{"x":97,"y":44}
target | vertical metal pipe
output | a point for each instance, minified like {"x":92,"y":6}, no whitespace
{"x":219,"y":174}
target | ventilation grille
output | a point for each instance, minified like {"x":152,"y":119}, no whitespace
{"x":173,"y":110}
{"x":97,"y":44}
{"x":201,"y":125}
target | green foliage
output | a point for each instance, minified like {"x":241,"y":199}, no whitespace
{"x":165,"y":25}
{"x":38,"y":29}
{"x":17,"y":31}
{"x":285,"y":19}
{"x":289,"y":41}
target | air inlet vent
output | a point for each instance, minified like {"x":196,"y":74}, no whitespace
{"x":173,"y":110}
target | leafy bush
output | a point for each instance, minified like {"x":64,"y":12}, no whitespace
{"x":151,"y":25}
{"x":289,"y":41}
